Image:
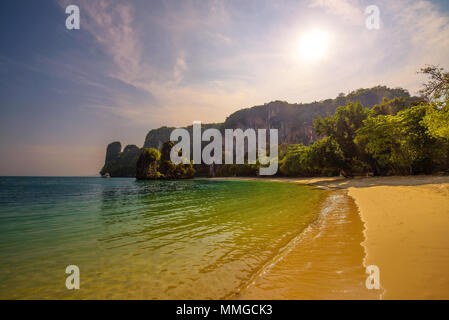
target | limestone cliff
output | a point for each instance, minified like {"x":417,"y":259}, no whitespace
{"x":293,"y":121}
{"x":118,"y":163}
{"x":112,"y":151}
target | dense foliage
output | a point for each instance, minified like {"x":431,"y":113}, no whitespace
{"x":399,"y":136}
{"x":153,"y":165}
{"x":147,"y":164}
{"x":169,"y":170}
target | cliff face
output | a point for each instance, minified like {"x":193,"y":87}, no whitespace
{"x":118,"y":163}
{"x":293,"y":121}
{"x":156,"y":137}
{"x":112,"y":151}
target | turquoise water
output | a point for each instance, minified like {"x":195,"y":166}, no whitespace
{"x":196,"y":239}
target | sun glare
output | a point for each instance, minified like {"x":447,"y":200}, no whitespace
{"x":313,"y":45}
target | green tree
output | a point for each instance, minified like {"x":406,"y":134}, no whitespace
{"x":147,"y":164}
{"x":436,"y":121}
{"x":437,"y":88}
{"x":169,"y":170}
{"x":291,"y":164}
{"x":342,"y":128}
{"x":152,"y":154}
{"x":424,"y":150}
{"x":402,"y":144}
{"x":391,"y":107}
{"x":383,"y":138}
{"x":323,"y":157}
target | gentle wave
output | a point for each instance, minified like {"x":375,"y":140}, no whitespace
{"x":332,"y":202}
{"x":323,"y":262}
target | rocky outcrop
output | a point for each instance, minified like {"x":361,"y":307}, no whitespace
{"x":118,"y":163}
{"x":147,"y":164}
{"x":156,"y":137}
{"x":294,"y":121}
{"x":113,"y":151}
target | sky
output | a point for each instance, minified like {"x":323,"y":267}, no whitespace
{"x":138,"y":65}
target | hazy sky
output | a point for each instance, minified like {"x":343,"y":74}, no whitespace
{"x":138,"y":65}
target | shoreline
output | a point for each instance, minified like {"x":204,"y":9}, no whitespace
{"x":405,"y":230}
{"x":324,"y":263}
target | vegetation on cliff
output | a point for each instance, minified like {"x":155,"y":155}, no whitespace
{"x":169,"y":170}
{"x":147,"y":164}
{"x":153,"y":165}
{"x":294,"y":121}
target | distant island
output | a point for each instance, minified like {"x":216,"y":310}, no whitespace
{"x":375,"y":131}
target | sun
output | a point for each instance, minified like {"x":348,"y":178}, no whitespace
{"x":313,"y":45}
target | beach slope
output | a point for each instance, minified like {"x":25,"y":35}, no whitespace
{"x":407,"y":234}
{"x":406,"y":231}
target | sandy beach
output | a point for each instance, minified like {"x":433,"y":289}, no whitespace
{"x":406,"y":232}
{"x":406,"y":224}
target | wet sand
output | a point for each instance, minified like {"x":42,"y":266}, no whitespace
{"x":406,"y":234}
{"x":325,"y":263}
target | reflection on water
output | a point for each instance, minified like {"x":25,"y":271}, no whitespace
{"x":325,"y":263}
{"x":147,"y":239}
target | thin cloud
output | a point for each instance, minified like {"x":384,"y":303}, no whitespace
{"x":260,"y":67}
{"x":349,"y":10}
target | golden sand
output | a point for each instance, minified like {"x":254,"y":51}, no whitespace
{"x":406,"y":234}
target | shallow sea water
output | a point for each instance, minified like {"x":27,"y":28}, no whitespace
{"x":196,"y":239}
